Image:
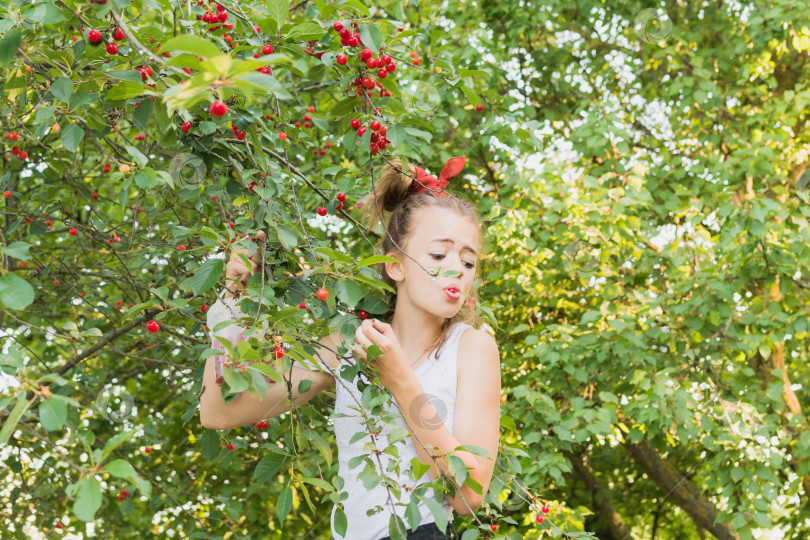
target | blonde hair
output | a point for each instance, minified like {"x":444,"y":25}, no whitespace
{"x":392,"y":197}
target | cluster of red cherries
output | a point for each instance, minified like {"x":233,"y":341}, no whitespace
{"x":218,"y":16}
{"x":23,"y":155}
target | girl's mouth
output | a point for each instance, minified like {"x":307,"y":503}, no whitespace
{"x":452,"y":293}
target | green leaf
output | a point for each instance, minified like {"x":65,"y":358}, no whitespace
{"x":18,"y":250}
{"x":88,"y":499}
{"x":278,"y":10}
{"x":127,"y":75}
{"x":210,"y":443}
{"x":143,"y":113}
{"x":349,"y":293}
{"x":287,"y":237}
{"x":13,"y":418}
{"x":375,"y":259}
{"x":15,"y":292}
{"x":268,"y":466}
{"x":52,"y":414}
{"x":307,"y":31}
{"x":371,"y":37}
{"x":9,"y":46}
{"x":344,"y":106}
{"x":72,"y":136}
{"x":115,"y":442}
{"x":266,"y":82}
{"x":284,"y":503}
{"x":62,"y":88}
{"x":396,"y":134}
{"x":146,"y":179}
{"x":129,"y":89}
{"x":192,"y":44}
{"x":437,"y":511}
{"x":207,"y":275}
{"x":121,"y":469}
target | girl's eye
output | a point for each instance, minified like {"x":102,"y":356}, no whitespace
{"x":439,"y":256}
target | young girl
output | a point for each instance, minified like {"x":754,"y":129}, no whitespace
{"x":443,"y":372}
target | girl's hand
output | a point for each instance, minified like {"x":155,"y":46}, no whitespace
{"x":392,"y":365}
{"x":236,"y":272}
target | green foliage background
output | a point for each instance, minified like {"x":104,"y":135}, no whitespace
{"x":642,"y":170}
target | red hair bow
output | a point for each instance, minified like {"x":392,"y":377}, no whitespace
{"x":425,"y":182}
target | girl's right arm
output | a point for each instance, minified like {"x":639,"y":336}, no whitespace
{"x":248,"y":408}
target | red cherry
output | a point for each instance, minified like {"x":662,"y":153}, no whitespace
{"x":540,"y":519}
{"x":240,"y":135}
{"x":121,"y":497}
{"x":311,"y":108}
{"x":302,"y":306}
{"x":107,"y":167}
{"x":298,"y":124}
{"x":307,"y":118}
{"x":118,"y":34}
{"x":413,"y":54}
{"x":217,"y":109}
{"x":361,"y":130}
{"x":322,"y":294}
{"x":204,"y":308}
{"x":353,"y":41}
{"x":545,"y":509}
{"x":365,"y":54}
{"x":7,"y":194}
{"x":363,"y":314}
{"x":152,"y":326}
{"x":94,"y":36}
{"x":355,"y":123}
{"x":342,"y":59}
{"x":279,"y":352}
{"x":382,"y":73}
{"x":417,"y":62}
{"x":267,"y":49}
{"x":479,"y":108}
{"x":493,"y":527}
{"x":73,"y":231}
{"x":392,"y":67}
{"x":147,"y":449}
{"x":385,"y":59}
{"x":375,"y":125}
{"x":48,"y":222}
{"x":15,"y":150}
{"x":322,"y":211}
{"x":181,"y":247}
{"x":22,"y":155}
{"x":329,"y":145}
{"x":230,"y":446}
{"x":368,"y":82}
{"x":341,"y":197}
{"x":112,"y":48}
{"x":124,"y":492}
{"x":257,"y":54}
{"x":94,"y":195}
{"x":230,"y":224}
{"x":250,"y":187}
{"x":58,"y":525}
{"x":338,"y":26}
{"x":186,"y":127}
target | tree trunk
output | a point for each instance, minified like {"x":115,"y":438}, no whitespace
{"x":680,"y":489}
{"x":606,"y":512}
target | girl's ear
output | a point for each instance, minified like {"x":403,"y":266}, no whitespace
{"x":395,"y":270}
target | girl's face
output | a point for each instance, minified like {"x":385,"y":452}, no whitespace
{"x":444,"y":243}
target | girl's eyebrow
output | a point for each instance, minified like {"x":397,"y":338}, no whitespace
{"x":468,"y":248}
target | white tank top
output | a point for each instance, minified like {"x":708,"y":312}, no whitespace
{"x":438,"y":377}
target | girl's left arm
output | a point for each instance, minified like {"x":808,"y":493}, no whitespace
{"x":477,"y":418}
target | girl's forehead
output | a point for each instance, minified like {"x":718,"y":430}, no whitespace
{"x":437,"y":224}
